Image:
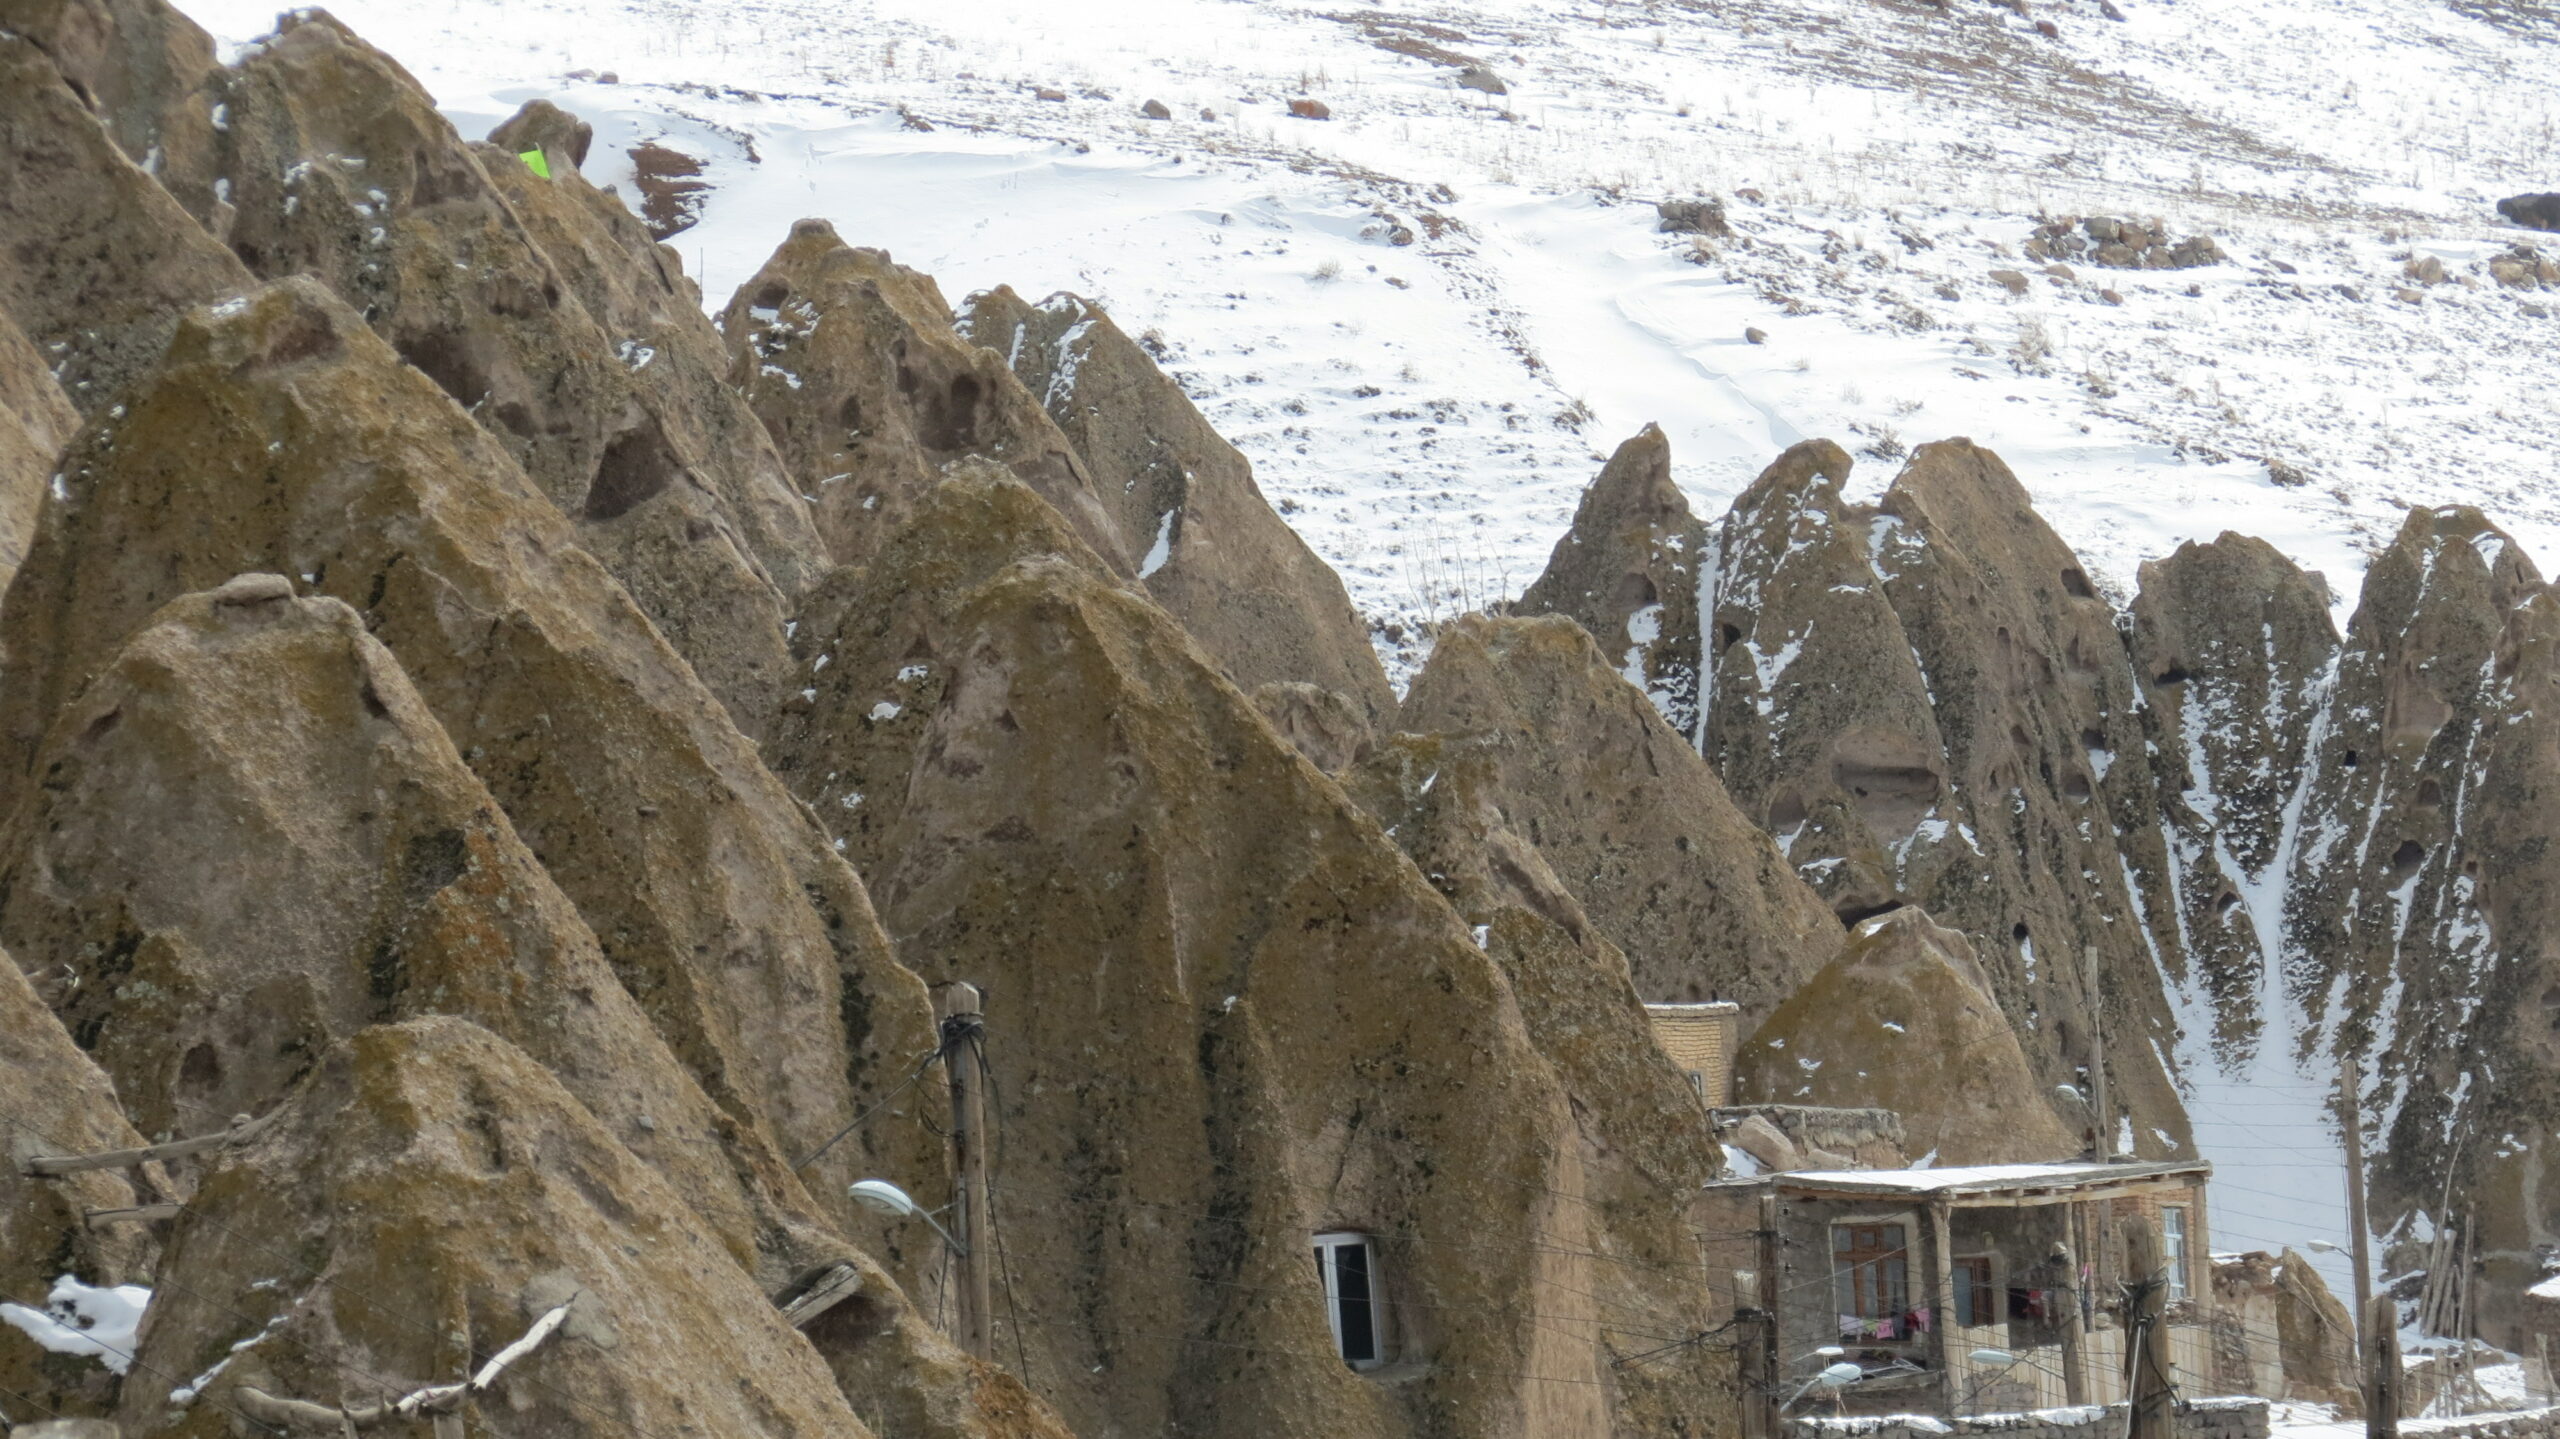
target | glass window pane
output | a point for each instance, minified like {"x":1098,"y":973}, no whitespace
{"x":1357,"y":1318}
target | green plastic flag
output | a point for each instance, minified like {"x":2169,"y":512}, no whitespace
{"x":533,"y":161}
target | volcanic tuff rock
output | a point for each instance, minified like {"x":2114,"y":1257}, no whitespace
{"x":1699,"y":898}
{"x":852,"y":363}
{"x":1905,"y":1020}
{"x":2232,"y":645}
{"x":638,"y":291}
{"x":1327,"y":726}
{"x":141,"y":67}
{"x":36,"y":421}
{"x":53,"y":1100}
{"x":426,"y":1196}
{"x":1211,"y":549}
{"x":1628,"y":570}
{"x":100,"y":261}
{"x":340,"y":167}
{"x":1931,"y":706}
{"x":253,"y":839}
{"x":1641,"y":1153}
{"x":2428,"y":863}
{"x":1212,"y":1051}
{"x":283,"y":435}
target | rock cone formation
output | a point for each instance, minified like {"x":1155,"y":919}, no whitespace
{"x":1905,"y":1020}
{"x":1209,"y":548}
{"x":36,"y":421}
{"x":100,"y":260}
{"x":54,"y":1101}
{"x":1237,"y":1058}
{"x":337,"y":165}
{"x":429,"y":1195}
{"x":1628,"y":570}
{"x":851,"y":361}
{"x":288,"y":437}
{"x":1927,"y":704}
{"x":1702,"y":902}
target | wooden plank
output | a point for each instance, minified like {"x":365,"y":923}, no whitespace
{"x":839,"y":1284}
{"x":56,"y":1165}
{"x":137,"y":1214}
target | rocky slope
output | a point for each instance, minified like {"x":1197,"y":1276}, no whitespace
{"x":380,"y":703}
{"x":2269,"y":845}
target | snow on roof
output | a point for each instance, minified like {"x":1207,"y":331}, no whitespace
{"x":1713,"y":1006}
{"x":2547,"y":1289}
{"x":1987,"y":1176}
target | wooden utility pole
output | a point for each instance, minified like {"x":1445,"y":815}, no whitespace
{"x":2146,"y":1331}
{"x":964,"y":1061}
{"x":2075,"y":1372}
{"x":1759,"y":1368}
{"x":2100,"y":1109}
{"x":1942,"y":1293}
{"x":2351,"y":1129}
{"x":2380,"y":1351}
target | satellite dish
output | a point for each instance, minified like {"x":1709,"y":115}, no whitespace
{"x":1830,"y":1351}
{"x":2320,"y":1246}
{"x":882,"y":1197}
{"x":1839,"y":1375}
{"x":1992,"y":1356}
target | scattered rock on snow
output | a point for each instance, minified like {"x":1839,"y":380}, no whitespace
{"x":671,"y":188}
{"x":1693,"y":217}
{"x":1306,"y":109}
{"x":1477,"y":77}
{"x":2534,"y":212}
{"x":1155,"y":110}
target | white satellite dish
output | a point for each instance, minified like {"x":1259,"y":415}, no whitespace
{"x":1838,"y":1375}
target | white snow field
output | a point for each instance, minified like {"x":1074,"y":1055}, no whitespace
{"x":1427,"y":318}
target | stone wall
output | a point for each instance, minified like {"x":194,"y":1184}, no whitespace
{"x":1873,"y":1138}
{"x":2202,"y":1419}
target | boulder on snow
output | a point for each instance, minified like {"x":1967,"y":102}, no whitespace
{"x":1693,"y":217}
{"x":1307,"y":109}
{"x":1155,"y":110}
{"x":2534,"y":212}
{"x":1477,"y":77}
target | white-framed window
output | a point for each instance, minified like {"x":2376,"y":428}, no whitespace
{"x":1354,"y":1297}
{"x":2173,"y":1242}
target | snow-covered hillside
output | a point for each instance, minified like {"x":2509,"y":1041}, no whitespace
{"x":1428,"y":316}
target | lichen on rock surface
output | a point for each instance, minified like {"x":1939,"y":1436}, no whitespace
{"x":283,"y":435}
{"x":1213,"y":1051}
{"x":427,"y":1195}
{"x":1700,"y":899}
{"x":1209,"y":547}
{"x":339,"y":166}
{"x":1905,"y":1020}
{"x":852,"y":362}
{"x":100,"y":260}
